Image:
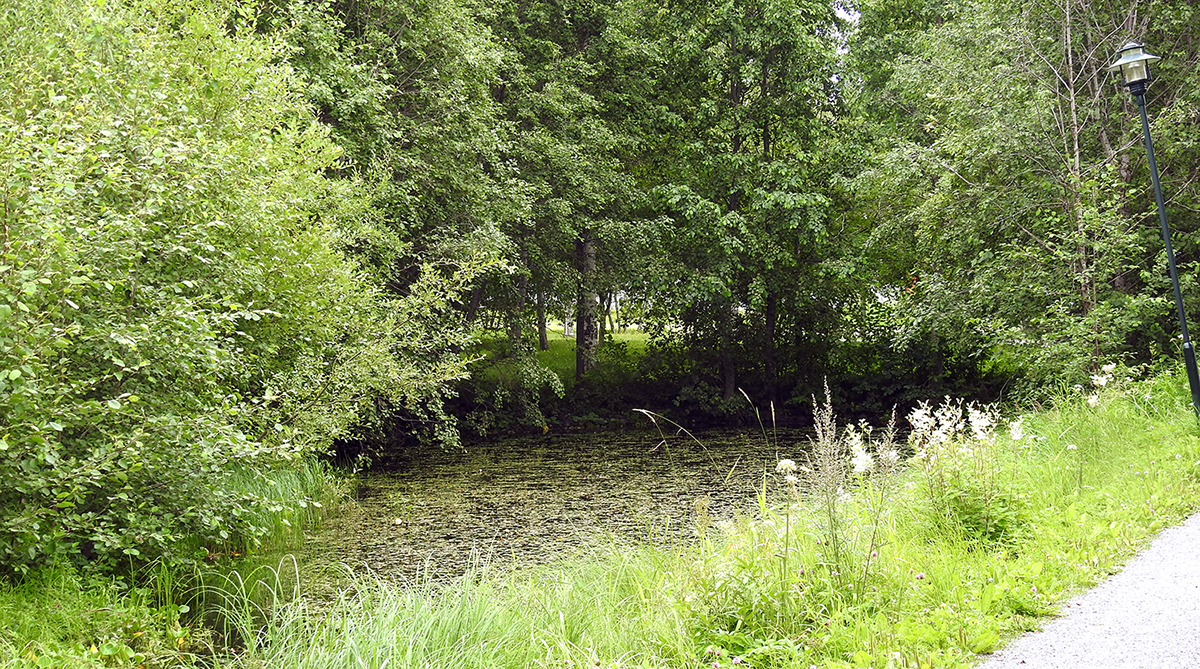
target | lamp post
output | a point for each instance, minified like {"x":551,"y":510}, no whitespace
{"x":1134,"y":65}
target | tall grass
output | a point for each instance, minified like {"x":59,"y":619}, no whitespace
{"x":56,"y":618}
{"x":851,"y":561}
{"x":292,"y":498}
{"x":159,"y":615}
{"x":615,"y":610}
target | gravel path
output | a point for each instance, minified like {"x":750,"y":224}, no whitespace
{"x":1145,"y":617}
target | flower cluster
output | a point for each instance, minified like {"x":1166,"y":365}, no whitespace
{"x":1016,"y":430}
{"x":932,"y":428}
{"x":860,"y":457}
{"x":955,"y":433}
{"x":788,"y":469}
{"x":934,"y":431}
{"x":719,"y":654}
{"x":1099,"y":381}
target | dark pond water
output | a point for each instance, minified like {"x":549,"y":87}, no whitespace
{"x":531,"y":500}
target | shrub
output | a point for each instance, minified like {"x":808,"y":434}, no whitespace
{"x":173,"y":311}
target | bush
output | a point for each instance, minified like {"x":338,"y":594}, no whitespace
{"x":173,"y":311}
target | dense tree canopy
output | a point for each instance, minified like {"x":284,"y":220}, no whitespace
{"x":1011,"y":163}
{"x":234,"y":234}
{"x":174,"y":307}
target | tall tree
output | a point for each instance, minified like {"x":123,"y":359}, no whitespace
{"x":406,"y":88}
{"x":557,"y":90}
{"x":746,"y":164}
{"x":1014,"y":169}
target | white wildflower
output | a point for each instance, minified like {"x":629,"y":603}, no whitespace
{"x":861,"y":460}
{"x":922,"y":422}
{"x":853,"y":438}
{"x":785,"y":466}
{"x":1093,"y":400}
{"x":1016,"y":429}
{"x":1108,"y":369}
{"x":1099,"y":380}
{"x":981,"y":423}
{"x":792,"y":479}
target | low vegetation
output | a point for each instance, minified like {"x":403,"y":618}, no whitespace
{"x":868,"y":550}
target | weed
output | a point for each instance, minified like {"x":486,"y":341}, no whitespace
{"x":966,"y":486}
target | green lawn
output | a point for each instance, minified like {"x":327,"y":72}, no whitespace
{"x":560,"y":357}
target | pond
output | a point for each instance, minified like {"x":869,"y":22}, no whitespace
{"x":531,"y":500}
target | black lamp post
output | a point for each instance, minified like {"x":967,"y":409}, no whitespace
{"x":1134,"y":65}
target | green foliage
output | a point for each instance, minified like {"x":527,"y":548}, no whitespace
{"x":510,"y":394}
{"x":1008,"y":194}
{"x":885,"y":584}
{"x":745,"y":166}
{"x":55,"y":619}
{"x":964,"y":482}
{"x":163,"y":614}
{"x":175,"y":313}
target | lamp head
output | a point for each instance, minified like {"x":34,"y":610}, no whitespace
{"x":1134,"y":64}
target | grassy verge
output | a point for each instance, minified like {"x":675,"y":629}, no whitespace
{"x":160,"y":616}
{"x":922,"y":565}
{"x":855,"y":560}
{"x":866,"y":552}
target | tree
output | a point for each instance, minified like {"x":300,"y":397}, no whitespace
{"x":746,"y":165}
{"x":1012,"y":166}
{"x":559,"y":90}
{"x":406,"y":89}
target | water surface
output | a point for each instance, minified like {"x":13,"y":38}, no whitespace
{"x":531,"y":500}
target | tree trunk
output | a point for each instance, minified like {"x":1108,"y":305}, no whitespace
{"x":473,"y":305}
{"x":543,"y":339}
{"x":770,"y":367}
{"x":725,"y":333}
{"x":587,"y":330}
{"x":603,"y":315}
{"x":728,"y":374}
{"x":516,"y":332}
{"x":728,"y":354}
